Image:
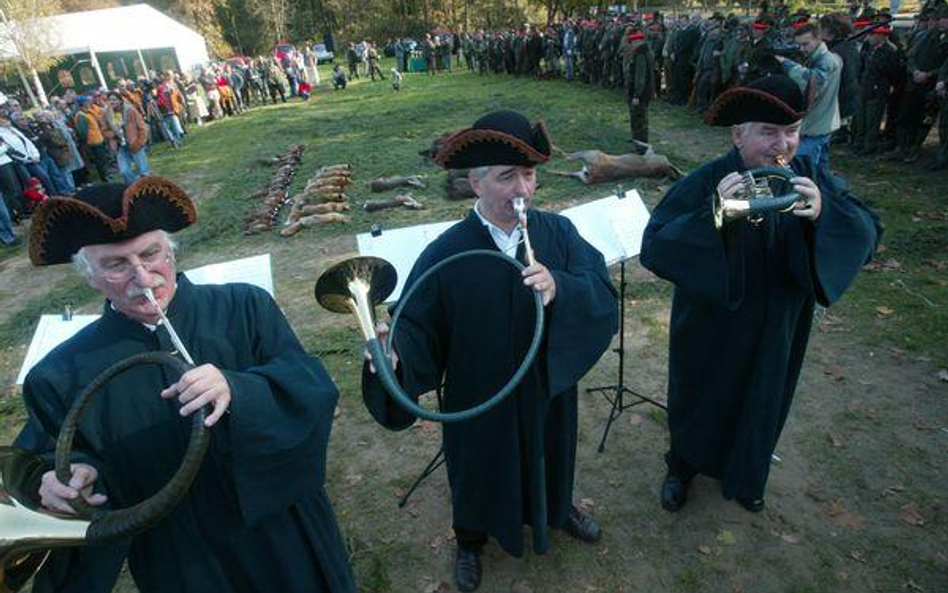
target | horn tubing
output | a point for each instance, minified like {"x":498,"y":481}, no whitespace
{"x":775,"y":204}
{"x":117,"y":524}
{"x":387,"y":375}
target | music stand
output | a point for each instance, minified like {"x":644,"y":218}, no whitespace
{"x":614,"y":226}
{"x":436,"y":462}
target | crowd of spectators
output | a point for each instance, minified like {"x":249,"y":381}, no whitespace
{"x":874,"y":86}
{"x":106,"y":134}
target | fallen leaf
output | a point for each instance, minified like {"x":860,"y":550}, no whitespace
{"x":586,"y":504}
{"x":353,"y":479}
{"x":884,"y":311}
{"x":790,"y":538}
{"x":894,"y":489}
{"x":842,"y":516}
{"x":834,"y":372}
{"x":704,"y":550}
{"x":520,"y":587}
{"x":883,"y":265}
{"x":830,"y":324}
{"x":943,"y":375}
{"x":413,"y":510}
{"x":858,"y":555}
{"x":835,"y":440}
{"x":337,"y":412}
{"x":910,"y":584}
{"x":726,"y":537}
{"x":911,"y":515}
{"x":438,"y":587}
{"x":436,"y":543}
{"x":635,"y":419}
{"x":923,"y":424}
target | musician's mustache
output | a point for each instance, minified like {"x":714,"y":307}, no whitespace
{"x":137,"y":291}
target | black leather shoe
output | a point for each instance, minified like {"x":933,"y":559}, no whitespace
{"x":467,"y":570}
{"x":674,"y":492}
{"x":582,"y":527}
{"x":754,"y":505}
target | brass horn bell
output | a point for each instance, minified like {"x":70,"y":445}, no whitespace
{"x":26,"y":531}
{"x":356,"y":286}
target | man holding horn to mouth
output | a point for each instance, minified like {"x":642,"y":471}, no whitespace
{"x":470,"y":324}
{"x":745,"y":294}
{"x":257,"y":517}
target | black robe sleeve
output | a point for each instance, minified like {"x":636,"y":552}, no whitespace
{"x":419,"y":342}
{"x":681,"y":244}
{"x":841,"y":241}
{"x":281,"y":414}
{"x":583,"y":316}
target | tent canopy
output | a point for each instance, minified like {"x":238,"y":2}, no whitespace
{"x":126,"y":28}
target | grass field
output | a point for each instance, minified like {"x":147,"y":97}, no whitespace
{"x":857,"y":502}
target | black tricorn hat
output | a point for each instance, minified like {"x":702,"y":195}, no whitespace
{"x":772,"y":99}
{"x":106,"y":213}
{"x":498,"y":138}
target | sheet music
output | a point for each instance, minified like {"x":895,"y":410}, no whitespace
{"x":611,"y":225}
{"x":254,"y":270}
{"x":52,"y":330}
{"x":401,"y":247}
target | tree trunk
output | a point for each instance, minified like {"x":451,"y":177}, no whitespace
{"x":26,"y":85}
{"x":40,"y":91}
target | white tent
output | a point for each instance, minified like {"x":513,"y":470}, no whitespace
{"x":126,"y":28}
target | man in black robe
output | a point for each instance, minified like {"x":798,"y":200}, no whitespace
{"x":744,"y":296}
{"x":257,"y":517}
{"x":469,"y":327}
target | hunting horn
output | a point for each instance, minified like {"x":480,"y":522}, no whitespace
{"x":28,"y":531}
{"x":757,"y":196}
{"x":357,"y":285}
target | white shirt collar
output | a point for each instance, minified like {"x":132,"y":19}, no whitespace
{"x":507,"y":243}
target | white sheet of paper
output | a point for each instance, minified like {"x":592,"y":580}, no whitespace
{"x":401,"y":247}
{"x":53,"y":330}
{"x":254,"y":270}
{"x":613,"y":226}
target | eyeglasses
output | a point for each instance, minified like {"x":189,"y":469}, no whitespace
{"x":120,"y":270}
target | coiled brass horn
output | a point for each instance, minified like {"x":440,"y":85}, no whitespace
{"x":28,"y":531}
{"x":757,"y":197}
{"x":358,"y":284}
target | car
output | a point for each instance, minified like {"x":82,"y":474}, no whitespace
{"x":323,"y":55}
{"x":282,"y":49}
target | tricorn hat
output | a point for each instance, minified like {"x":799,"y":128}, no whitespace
{"x":106,"y":213}
{"x":498,"y":138}
{"x":772,"y":99}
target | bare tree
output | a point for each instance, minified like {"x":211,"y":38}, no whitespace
{"x":274,"y":14}
{"x":28,"y":41}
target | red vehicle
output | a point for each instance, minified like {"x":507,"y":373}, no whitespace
{"x":282,"y":49}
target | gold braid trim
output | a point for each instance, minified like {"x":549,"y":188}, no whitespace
{"x":159,"y":186}
{"x":461,"y":139}
{"x":47,"y":219}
